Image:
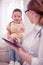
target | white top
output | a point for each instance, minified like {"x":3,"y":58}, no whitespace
{"x":33,"y":45}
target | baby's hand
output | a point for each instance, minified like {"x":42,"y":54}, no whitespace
{"x":21,"y":35}
{"x":17,"y":40}
{"x":13,"y":36}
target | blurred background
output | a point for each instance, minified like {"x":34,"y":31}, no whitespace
{"x":6,"y":8}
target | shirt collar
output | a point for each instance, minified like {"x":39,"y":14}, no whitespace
{"x":38,"y":27}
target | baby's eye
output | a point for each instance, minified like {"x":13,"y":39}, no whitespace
{"x":15,"y":16}
{"x":18,"y":16}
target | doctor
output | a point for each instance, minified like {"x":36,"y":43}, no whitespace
{"x":32,"y":49}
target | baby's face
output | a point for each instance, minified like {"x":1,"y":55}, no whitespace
{"x":17,"y":17}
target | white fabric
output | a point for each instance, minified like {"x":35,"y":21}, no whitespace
{"x":25,"y":63}
{"x":34,"y":61}
{"x":34,"y":46}
{"x":14,"y":63}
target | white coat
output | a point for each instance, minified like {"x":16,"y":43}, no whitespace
{"x":33,"y":44}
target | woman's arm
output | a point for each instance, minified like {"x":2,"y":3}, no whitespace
{"x":28,"y":58}
{"x":39,"y":60}
{"x":25,"y":57}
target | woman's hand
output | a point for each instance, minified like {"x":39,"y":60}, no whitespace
{"x":25,"y":57}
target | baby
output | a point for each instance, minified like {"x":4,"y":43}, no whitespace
{"x":15,"y":30}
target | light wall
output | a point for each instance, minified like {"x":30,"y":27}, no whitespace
{"x":6,"y":8}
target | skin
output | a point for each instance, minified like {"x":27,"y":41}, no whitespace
{"x":17,"y":17}
{"x":34,"y":18}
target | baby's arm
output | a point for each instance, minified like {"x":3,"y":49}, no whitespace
{"x":8,"y":32}
{"x":22,"y":28}
{"x":21,"y":31}
{"x":8,"y":35}
{"x":13,"y":36}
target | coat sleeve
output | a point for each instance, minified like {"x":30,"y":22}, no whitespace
{"x":39,"y":60}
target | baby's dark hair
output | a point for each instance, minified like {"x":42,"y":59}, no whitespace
{"x":17,"y":10}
